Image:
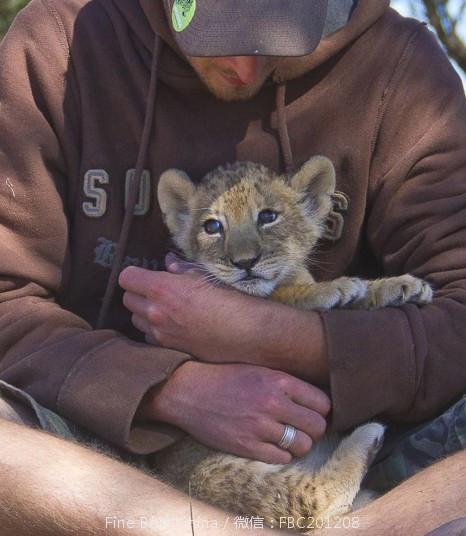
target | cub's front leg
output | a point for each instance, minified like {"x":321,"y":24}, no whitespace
{"x":353,"y":293}
{"x":310,"y":295}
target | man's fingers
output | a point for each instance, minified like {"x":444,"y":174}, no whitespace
{"x":310,"y":422}
{"x":302,"y":405}
{"x":138,"y":280}
{"x":308,"y":396}
{"x":301,"y":444}
{"x":144,"y":326}
{"x":150,"y":340}
{"x":135,"y":303}
{"x":146,"y":316}
{"x":270,"y":453}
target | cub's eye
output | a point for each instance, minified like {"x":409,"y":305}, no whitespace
{"x":267,"y":216}
{"x":212,"y":227}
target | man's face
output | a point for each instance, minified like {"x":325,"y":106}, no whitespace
{"x":234,"y":77}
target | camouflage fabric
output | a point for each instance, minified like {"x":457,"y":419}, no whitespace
{"x":55,"y":424}
{"x":406,"y":452}
{"x":46,"y":420}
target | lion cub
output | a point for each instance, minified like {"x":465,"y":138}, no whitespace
{"x":253,"y":230}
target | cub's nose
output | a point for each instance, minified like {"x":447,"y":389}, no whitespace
{"x":246,"y":264}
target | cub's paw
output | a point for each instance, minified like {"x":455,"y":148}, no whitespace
{"x":349,"y":290}
{"x":397,"y":291}
{"x":366,"y":440}
{"x":339,"y":292}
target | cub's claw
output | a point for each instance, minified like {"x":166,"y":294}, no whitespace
{"x":396,"y":291}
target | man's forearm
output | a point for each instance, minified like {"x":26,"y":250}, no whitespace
{"x":290,"y":340}
{"x":224,"y":325}
{"x":55,"y":488}
{"x":427,"y":500}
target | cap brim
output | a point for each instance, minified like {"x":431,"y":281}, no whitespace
{"x":248,"y":27}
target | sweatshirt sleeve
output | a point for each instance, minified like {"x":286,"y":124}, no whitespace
{"x":96,"y":378}
{"x":407,"y":364}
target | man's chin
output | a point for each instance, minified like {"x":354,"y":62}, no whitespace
{"x":225,"y":92}
{"x":223,"y":82}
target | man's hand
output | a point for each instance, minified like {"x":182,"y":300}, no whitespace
{"x":184,"y":311}
{"x":241,"y":409}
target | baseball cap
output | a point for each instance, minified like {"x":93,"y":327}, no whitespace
{"x":246,"y":27}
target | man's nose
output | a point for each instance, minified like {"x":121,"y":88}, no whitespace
{"x":246,"y":68}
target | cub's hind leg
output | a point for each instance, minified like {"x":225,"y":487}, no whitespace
{"x":272,"y":492}
{"x":341,"y":476}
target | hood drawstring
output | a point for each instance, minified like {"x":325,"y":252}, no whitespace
{"x":285,"y":147}
{"x":134,"y":188}
{"x":285,"y":144}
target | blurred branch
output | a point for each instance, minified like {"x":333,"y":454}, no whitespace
{"x":460,"y":15}
{"x":445,"y":25}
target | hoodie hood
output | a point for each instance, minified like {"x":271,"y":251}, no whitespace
{"x":346,"y":20}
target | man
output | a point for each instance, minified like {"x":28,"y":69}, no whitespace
{"x":227,"y":81}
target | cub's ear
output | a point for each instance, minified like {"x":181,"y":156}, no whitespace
{"x":316,"y":177}
{"x":174,"y":191}
{"x":316,"y":182}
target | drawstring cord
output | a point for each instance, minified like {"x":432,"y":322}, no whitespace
{"x":285,"y":144}
{"x":134,"y":189}
{"x":285,"y":147}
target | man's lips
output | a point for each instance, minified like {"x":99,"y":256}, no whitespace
{"x":233,"y":81}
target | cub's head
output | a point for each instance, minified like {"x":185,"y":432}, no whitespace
{"x":250,"y":228}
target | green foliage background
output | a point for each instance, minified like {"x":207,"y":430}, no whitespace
{"x":8,"y":10}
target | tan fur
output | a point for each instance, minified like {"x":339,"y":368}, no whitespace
{"x":270,"y":260}
{"x":235,"y":195}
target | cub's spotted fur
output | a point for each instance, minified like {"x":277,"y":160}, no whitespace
{"x":253,"y":230}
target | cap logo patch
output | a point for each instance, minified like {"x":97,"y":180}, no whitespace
{"x":182,"y":14}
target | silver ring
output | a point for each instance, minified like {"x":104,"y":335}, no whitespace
{"x":288,"y":437}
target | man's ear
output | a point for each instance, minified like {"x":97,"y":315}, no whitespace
{"x":316,"y":183}
{"x":174,"y":191}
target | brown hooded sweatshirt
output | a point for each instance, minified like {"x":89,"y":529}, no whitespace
{"x":378,"y":97}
